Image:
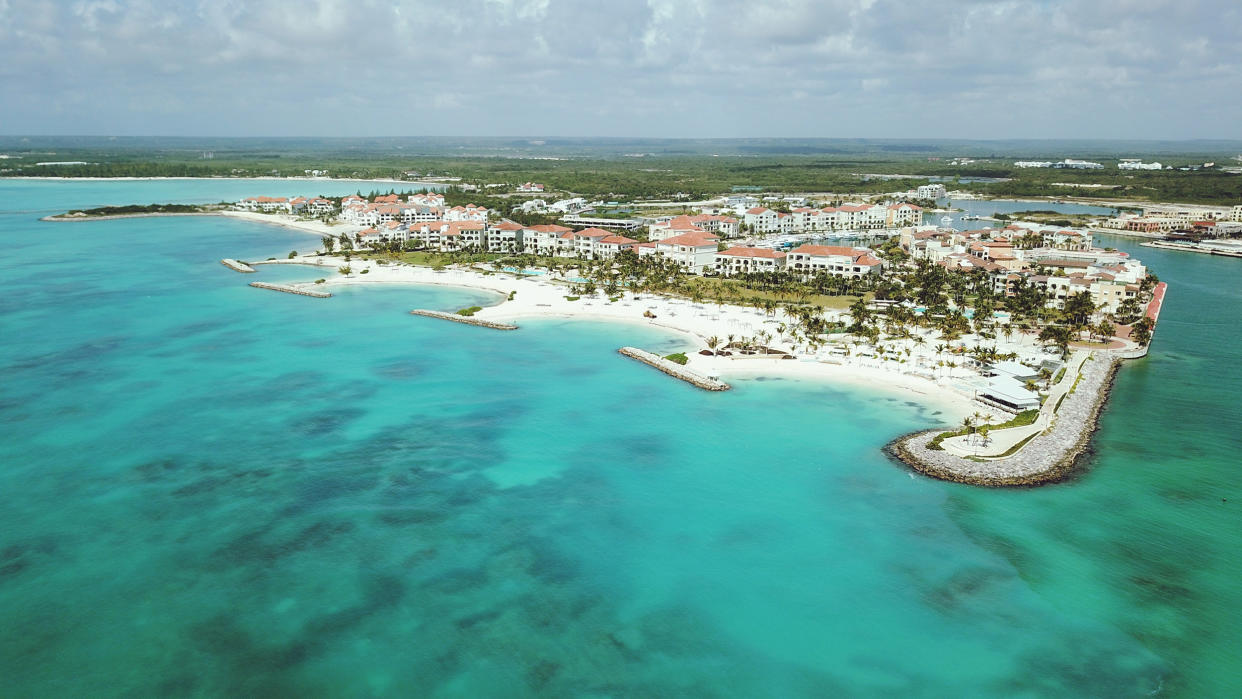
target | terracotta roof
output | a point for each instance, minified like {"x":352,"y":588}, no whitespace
{"x":753,"y":252}
{"x":594,"y":233}
{"x":825,"y":250}
{"x":617,"y":240}
{"x":694,"y":239}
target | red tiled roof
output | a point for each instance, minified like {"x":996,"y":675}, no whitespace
{"x":618,"y":240}
{"x":741,"y":251}
{"x":593,"y":233}
{"x":825,"y":250}
{"x":696,"y":239}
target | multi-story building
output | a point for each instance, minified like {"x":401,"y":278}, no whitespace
{"x":506,"y":236}
{"x":744,"y":260}
{"x":904,"y":215}
{"x":544,"y":239}
{"x":762,"y":220}
{"x":691,"y":251}
{"x":808,"y":260}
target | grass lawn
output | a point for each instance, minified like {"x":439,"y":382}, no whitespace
{"x":431,"y":259}
{"x":733,"y":291}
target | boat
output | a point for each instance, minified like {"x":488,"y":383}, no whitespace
{"x":946,"y":221}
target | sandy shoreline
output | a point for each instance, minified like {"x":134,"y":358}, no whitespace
{"x":154,"y":214}
{"x":537,"y":298}
{"x":540,"y":297}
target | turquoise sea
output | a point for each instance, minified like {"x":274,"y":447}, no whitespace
{"x":213,"y":490}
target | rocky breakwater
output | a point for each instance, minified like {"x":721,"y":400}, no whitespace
{"x":291,"y":290}
{"x":1049,"y":456}
{"x":674,"y":369}
{"x":465,"y":320}
{"x":236,"y":265}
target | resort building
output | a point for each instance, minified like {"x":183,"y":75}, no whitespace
{"x":544,"y":239}
{"x":762,"y":220}
{"x":904,"y":215}
{"x":267,"y":205}
{"x":625,"y":224}
{"x":320,"y":206}
{"x":691,"y":251}
{"x":806,"y":261}
{"x":931,"y":191}
{"x":610,"y":247}
{"x":744,"y":260}
{"x":1136,"y":164}
{"x":506,"y":236}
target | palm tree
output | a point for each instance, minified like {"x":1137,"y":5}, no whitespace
{"x":712,"y":343}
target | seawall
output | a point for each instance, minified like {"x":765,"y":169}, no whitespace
{"x":674,"y":369}
{"x":1183,"y":247}
{"x":1048,"y":457}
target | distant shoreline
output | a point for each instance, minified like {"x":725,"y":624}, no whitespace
{"x":222,"y":177}
{"x":63,"y":218}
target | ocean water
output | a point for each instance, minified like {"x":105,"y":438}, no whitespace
{"x":214,"y":490}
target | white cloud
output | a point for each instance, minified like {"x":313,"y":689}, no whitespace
{"x":664,"y":67}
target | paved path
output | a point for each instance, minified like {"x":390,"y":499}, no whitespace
{"x":1000,"y":441}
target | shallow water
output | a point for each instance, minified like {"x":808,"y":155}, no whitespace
{"x":216,"y":490}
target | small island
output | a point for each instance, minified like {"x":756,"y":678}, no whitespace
{"x":139,"y":211}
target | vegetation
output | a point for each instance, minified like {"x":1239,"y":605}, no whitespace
{"x":469,"y":311}
{"x":971,"y":426}
{"x":137,"y":209}
{"x":670,"y":170}
{"x":678,"y":357}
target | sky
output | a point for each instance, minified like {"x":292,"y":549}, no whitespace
{"x":1146,"y":69}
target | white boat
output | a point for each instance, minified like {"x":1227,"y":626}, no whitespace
{"x":947,"y":221}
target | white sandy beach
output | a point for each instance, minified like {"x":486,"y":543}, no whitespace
{"x":537,"y":297}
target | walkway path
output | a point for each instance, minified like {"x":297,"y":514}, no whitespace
{"x":1001,"y":441}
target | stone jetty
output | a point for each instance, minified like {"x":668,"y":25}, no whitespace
{"x":1049,"y":456}
{"x":466,"y":320}
{"x":674,"y":369}
{"x":236,"y":265}
{"x":291,"y":289}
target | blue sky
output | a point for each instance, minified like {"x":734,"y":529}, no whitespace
{"x":654,"y":68}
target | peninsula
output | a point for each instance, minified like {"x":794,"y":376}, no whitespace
{"x":1013,"y":333}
